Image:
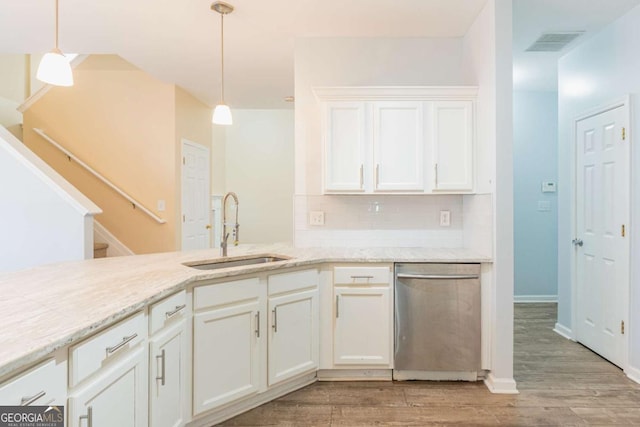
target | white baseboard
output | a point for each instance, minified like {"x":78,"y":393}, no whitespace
{"x":563,"y":331}
{"x":633,"y":374}
{"x":355,"y":375}
{"x":116,"y":247}
{"x":534,"y":298}
{"x":501,"y":385}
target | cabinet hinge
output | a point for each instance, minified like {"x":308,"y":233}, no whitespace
{"x":622,"y":231}
{"x":622,"y":327}
{"x":624,"y":134}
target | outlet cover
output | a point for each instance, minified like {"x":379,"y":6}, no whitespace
{"x":445,"y":218}
{"x":316,"y":218}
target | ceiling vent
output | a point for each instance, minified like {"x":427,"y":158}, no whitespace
{"x":554,"y":42}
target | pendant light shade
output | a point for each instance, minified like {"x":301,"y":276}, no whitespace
{"x":222,"y":115}
{"x":222,"y":112}
{"x":54,"y":67}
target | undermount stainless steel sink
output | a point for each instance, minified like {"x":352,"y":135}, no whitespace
{"x":235,"y":262}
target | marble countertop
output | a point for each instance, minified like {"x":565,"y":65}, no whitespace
{"x":48,"y":307}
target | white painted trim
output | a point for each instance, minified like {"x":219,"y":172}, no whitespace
{"x":355,"y":375}
{"x":35,"y":97}
{"x":525,"y":299}
{"x":381,"y":93}
{"x":633,"y":374}
{"x":501,"y":385}
{"x":624,"y":102}
{"x":563,"y":331}
{"x":116,"y":247}
{"x":186,"y":142}
{"x":47,"y":174}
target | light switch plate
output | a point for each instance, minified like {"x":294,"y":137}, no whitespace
{"x":161,"y":205}
{"x":445,"y":218}
{"x":316,"y":218}
{"x":548,"y":187}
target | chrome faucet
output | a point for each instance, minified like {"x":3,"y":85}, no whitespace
{"x":236,"y":226}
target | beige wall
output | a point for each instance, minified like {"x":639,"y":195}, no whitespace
{"x":193,"y":122}
{"x":122,"y":122}
{"x":259,"y":168}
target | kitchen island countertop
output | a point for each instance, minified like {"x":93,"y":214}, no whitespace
{"x":48,"y":307}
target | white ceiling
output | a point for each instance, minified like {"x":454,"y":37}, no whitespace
{"x":178,"y":40}
{"x":538,"y":70}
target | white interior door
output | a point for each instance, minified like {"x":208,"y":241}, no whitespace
{"x":602,"y":222}
{"x":196,"y":204}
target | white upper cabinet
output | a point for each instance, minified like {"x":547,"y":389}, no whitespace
{"x":402,"y":140}
{"x":453,"y":145}
{"x":344,"y":146}
{"x":398,"y":141}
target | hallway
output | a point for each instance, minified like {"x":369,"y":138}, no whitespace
{"x":561,"y":383}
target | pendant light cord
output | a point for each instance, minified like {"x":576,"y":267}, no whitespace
{"x":221,"y":55}
{"x":57,"y":25}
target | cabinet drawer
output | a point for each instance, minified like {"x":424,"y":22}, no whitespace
{"x":361,"y":275}
{"x":225,"y":293}
{"x":92,"y":354}
{"x":294,"y":281}
{"x":44,"y":384}
{"x":166,"y":311}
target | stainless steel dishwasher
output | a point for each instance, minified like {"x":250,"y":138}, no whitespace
{"x":437,"y":321}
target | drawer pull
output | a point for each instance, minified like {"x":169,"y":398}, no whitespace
{"x":125,"y":341}
{"x":177,"y":310}
{"x":362,"y":277}
{"x":162,"y":367}
{"x":88,"y":417}
{"x":337,"y":306}
{"x":258,"y":325}
{"x":26,"y":401}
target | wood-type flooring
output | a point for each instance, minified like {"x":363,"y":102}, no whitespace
{"x":561,"y":383}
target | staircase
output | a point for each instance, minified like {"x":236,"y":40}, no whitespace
{"x":100,"y":250}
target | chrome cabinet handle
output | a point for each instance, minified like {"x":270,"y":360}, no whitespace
{"x":125,"y":341}
{"x":577,"y":242}
{"x":88,"y":417}
{"x":377,"y":175}
{"x":258,"y":325}
{"x":26,"y":401}
{"x":275,"y":319}
{"x":436,"y":170}
{"x":437,"y":276}
{"x":162,"y":367}
{"x":172,"y":313}
{"x":337,"y":306}
{"x":361,"y":176}
{"x":362,"y":277}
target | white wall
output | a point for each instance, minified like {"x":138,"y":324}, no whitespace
{"x":259,"y":168}
{"x":368,"y":62}
{"x":42,"y":218}
{"x":602,"y":69}
{"x":13,"y":88}
{"x":535,"y":159}
{"x":487,"y":53}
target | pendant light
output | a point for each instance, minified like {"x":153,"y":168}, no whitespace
{"x":222,"y":112}
{"x":54,"y":67}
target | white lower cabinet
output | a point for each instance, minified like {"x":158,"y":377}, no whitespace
{"x":293,"y":325}
{"x":226,"y":363}
{"x":168,"y":358}
{"x":44,"y":384}
{"x":117,"y":397}
{"x":363,"y":313}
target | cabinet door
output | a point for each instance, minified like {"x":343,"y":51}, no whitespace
{"x":115,"y":398}
{"x":225,"y":355}
{"x":167,"y":377}
{"x":453,"y":145}
{"x":362,"y":334}
{"x":345,"y":133}
{"x":398,"y":140}
{"x":293,"y":335}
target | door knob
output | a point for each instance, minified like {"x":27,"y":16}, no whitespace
{"x":577,"y":242}
{"x":208,"y":227}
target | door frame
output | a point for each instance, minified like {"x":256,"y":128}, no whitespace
{"x":625,"y":103}
{"x":183,"y":143}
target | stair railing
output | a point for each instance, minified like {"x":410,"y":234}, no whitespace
{"x":71,"y":156}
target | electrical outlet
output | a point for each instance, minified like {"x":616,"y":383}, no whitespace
{"x":161,"y":205}
{"x":445,"y":218}
{"x":316,"y":218}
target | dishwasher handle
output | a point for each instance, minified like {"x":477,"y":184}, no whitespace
{"x":437,"y":276}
